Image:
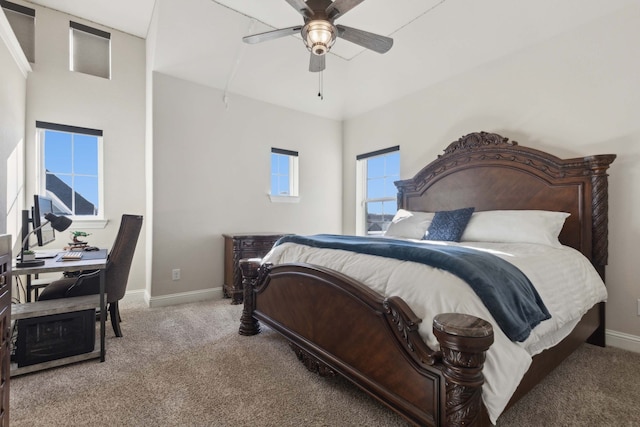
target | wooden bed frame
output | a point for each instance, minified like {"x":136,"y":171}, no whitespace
{"x":339,"y":326}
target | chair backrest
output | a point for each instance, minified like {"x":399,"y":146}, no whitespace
{"x":121,"y":256}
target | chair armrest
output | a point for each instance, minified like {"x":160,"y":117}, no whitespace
{"x":85,"y":284}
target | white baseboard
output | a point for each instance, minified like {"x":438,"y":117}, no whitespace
{"x":183,"y":297}
{"x":622,"y":340}
{"x":137,"y":295}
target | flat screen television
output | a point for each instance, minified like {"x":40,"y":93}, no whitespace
{"x":42,"y":206}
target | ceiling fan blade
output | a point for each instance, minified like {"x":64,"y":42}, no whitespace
{"x":316,"y":63}
{"x":340,"y":7}
{"x":375,"y":42}
{"x":302,"y":8}
{"x":270,"y":35}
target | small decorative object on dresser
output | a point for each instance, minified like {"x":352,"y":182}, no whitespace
{"x":236,"y":247}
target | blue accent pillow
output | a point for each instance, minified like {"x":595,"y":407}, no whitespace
{"x":449,"y":225}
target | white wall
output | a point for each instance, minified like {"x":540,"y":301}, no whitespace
{"x":577,"y":94}
{"x":116,"y":106}
{"x":212,"y":172}
{"x":150,"y":47}
{"x":13,"y":91}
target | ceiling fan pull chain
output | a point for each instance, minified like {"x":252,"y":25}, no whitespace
{"x":320,"y":85}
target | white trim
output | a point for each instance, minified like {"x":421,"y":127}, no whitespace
{"x":10,"y":39}
{"x":284,"y":199}
{"x":88,"y":221}
{"x":362,"y":194}
{"x":293,"y":178}
{"x":81,"y":224}
{"x":136,"y":295}
{"x":292,"y":172}
{"x":622,"y":340}
{"x":361,"y":191}
{"x":183,"y":297}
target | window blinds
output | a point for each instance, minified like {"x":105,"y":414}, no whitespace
{"x":68,"y":128}
{"x":378,"y":152}
{"x":90,"y":50}
{"x":23,"y":22}
{"x":285,"y":152}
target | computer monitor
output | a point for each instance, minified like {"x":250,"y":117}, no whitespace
{"x":42,"y":206}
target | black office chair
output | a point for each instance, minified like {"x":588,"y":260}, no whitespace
{"x":117,"y":273}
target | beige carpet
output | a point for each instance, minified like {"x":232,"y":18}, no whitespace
{"x":187,"y":366}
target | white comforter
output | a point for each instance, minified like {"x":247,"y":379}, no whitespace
{"x":564,"y":278}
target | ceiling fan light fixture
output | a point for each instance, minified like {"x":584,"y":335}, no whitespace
{"x":319,"y":36}
{"x":319,"y":32}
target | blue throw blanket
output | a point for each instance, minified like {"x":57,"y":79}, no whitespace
{"x":506,"y":292}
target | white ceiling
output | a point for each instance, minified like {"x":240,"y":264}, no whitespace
{"x":200,"y":41}
{"x":130,"y":16}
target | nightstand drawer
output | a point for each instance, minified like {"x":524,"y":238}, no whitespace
{"x":238,"y":246}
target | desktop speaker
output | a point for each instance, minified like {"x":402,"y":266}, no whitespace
{"x":45,"y":338}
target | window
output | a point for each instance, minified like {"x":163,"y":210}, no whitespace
{"x":377,"y":192}
{"x":70,"y":169}
{"x":284,"y":174}
{"x":23,"y":22}
{"x":89,"y":50}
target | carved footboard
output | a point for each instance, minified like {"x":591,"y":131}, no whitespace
{"x":338,"y":326}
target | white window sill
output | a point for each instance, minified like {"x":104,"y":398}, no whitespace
{"x":284,"y":199}
{"x":88,"y":224}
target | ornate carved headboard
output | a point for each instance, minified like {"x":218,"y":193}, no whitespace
{"x":489,"y":172}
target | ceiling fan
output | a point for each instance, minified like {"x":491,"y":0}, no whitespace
{"x":319,"y":32}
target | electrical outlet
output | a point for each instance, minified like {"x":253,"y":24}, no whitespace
{"x":175,"y":274}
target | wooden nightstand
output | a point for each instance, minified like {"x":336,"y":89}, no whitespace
{"x":236,"y":247}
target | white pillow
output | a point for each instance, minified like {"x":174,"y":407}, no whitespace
{"x":409,"y":225}
{"x":533,"y":226}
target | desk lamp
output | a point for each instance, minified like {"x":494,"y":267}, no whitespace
{"x":59,"y":223}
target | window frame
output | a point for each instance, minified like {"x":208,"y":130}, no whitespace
{"x":293,"y":172}
{"x":361,"y":188}
{"x":85,"y":221}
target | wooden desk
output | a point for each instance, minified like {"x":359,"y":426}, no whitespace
{"x":44,"y":308}
{"x":30,"y":281}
